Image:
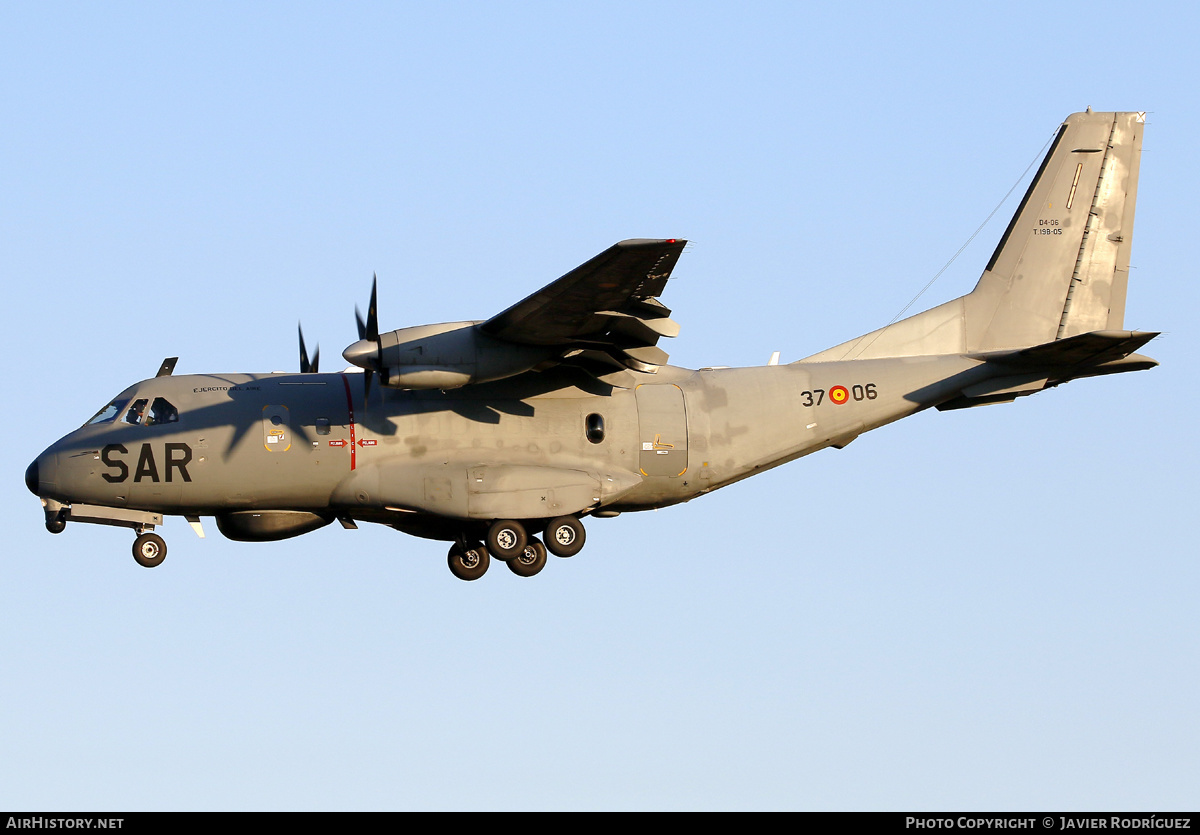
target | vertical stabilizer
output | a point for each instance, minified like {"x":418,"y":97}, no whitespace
{"x":1062,"y":267}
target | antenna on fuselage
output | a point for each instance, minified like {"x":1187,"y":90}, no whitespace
{"x":168,"y":366}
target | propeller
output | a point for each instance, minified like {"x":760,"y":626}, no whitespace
{"x":307,"y":367}
{"x":367,"y":353}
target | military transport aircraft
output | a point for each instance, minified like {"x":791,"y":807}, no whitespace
{"x":486,"y":433}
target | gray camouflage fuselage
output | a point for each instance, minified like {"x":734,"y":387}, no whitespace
{"x":425,"y":451}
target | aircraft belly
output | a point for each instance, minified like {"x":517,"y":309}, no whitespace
{"x":521,"y":492}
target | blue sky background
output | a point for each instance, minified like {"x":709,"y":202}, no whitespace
{"x":991,"y":609}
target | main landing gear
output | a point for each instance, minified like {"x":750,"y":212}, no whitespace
{"x":508,"y":541}
{"x":468,"y":560}
{"x":531,"y":560}
{"x":565,"y":536}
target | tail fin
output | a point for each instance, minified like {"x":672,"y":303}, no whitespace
{"x":1061,"y":268}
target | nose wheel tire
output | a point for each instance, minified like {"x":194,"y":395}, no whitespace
{"x":530,"y":561}
{"x":469,"y":562}
{"x":149,"y":550}
{"x":565,"y":536}
{"x":506,"y":539}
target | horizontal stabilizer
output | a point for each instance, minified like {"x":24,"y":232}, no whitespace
{"x":1031,"y":370}
{"x":1085,"y":349}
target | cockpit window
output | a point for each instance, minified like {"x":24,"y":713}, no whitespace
{"x":136,"y":411}
{"x":160,"y":411}
{"x":109,"y":412}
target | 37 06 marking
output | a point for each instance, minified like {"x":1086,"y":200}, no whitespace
{"x":839,"y":395}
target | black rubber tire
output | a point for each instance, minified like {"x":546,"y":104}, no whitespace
{"x":469,"y":564}
{"x":56,"y":525}
{"x":565,"y":536}
{"x":506,"y":539}
{"x":149,"y":550}
{"x":531,"y":560}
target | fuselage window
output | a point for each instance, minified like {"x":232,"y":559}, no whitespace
{"x":595,"y":428}
{"x":108,"y":413}
{"x":322,"y":426}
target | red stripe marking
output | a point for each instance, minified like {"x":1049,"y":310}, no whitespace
{"x":350,"y":411}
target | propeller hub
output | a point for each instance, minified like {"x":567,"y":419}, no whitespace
{"x":364,"y":353}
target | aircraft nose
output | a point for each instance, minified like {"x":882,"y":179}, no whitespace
{"x":31,"y":477}
{"x":41,"y":475}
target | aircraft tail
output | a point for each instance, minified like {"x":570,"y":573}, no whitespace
{"x":1062,"y":267}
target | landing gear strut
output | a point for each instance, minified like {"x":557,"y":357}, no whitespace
{"x":149,"y":550}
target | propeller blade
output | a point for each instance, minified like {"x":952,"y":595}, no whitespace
{"x":373,"y":310}
{"x":307,"y":367}
{"x":367,"y":353}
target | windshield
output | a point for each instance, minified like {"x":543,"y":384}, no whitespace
{"x":109,"y":412}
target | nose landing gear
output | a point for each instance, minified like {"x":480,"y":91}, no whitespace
{"x":149,"y":550}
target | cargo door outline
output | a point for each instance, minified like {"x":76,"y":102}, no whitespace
{"x":662,"y":424}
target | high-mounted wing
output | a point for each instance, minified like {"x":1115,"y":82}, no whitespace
{"x":606,"y":308}
{"x":602,"y":317}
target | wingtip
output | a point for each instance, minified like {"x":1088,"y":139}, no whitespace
{"x":635,"y":242}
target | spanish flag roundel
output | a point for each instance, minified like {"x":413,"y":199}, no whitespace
{"x":839,"y":395}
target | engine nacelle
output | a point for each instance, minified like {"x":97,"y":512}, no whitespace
{"x":444,"y":356}
{"x":268,"y":525}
